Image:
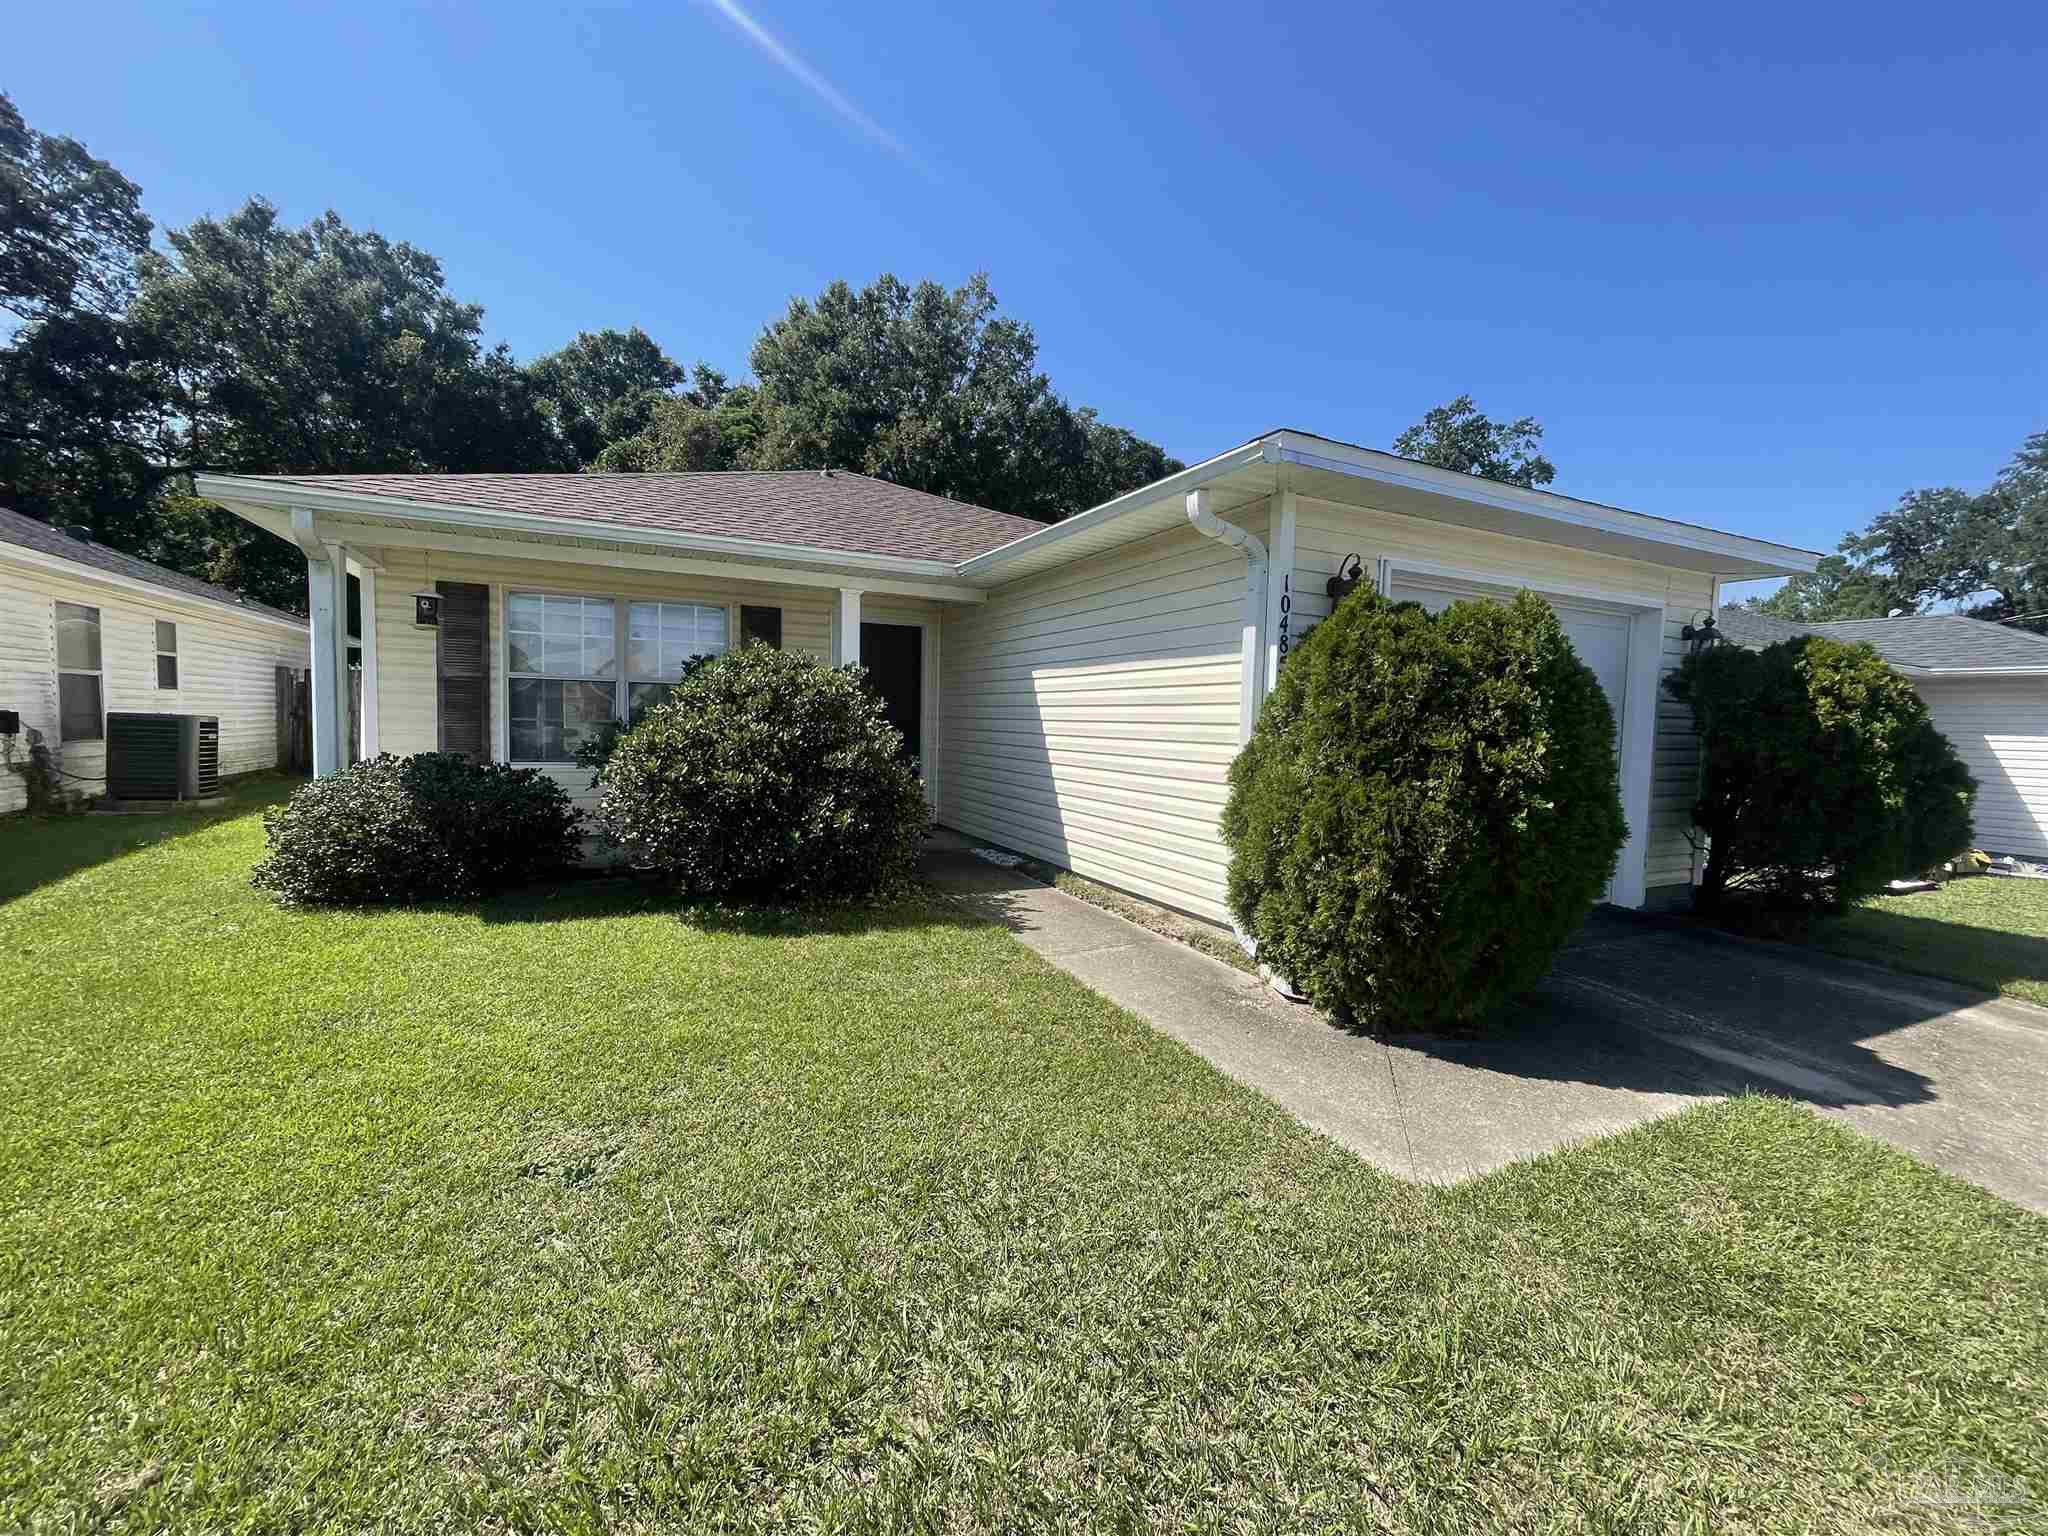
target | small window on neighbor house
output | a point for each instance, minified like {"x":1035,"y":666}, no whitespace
{"x":761,"y":626}
{"x":166,"y":654}
{"x":79,"y":695}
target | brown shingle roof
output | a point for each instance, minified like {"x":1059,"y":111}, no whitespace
{"x":32,"y":533}
{"x":837,"y":511}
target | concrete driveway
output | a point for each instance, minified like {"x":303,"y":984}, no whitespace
{"x":1639,"y":1018}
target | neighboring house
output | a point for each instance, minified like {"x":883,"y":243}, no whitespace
{"x":1076,"y":691}
{"x":85,"y":629}
{"x":1986,"y":686}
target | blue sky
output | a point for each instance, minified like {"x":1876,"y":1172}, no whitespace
{"x":1759,"y":267}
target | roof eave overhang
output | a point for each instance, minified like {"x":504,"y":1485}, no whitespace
{"x":269,"y":504}
{"x":172,"y":597}
{"x":1320,"y":467}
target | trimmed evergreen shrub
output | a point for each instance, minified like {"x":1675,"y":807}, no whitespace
{"x":766,"y":775}
{"x":1428,"y":808}
{"x":391,"y":831}
{"x":1822,"y":776}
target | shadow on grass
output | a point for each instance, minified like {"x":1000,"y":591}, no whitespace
{"x":1932,"y":946}
{"x":36,"y":851}
{"x":592,"y":898}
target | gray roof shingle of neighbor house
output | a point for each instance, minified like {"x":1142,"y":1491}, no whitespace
{"x":1938,"y":642}
{"x":839,"y":510}
{"x":47,"y":539}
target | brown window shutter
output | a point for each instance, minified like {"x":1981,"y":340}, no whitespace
{"x":462,"y":668}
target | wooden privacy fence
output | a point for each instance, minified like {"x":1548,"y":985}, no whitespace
{"x":295,"y":718}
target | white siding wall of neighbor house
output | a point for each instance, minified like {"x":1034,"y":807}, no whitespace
{"x":406,"y":693}
{"x":1090,"y":715}
{"x":2000,"y":730}
{"x":226,"y":668}
{"x":1091,"y":711}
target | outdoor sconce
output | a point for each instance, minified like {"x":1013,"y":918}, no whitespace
{"x":1702,"y":636}
{"x":1349,"y":574}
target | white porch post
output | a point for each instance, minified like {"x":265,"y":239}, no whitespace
{"x":846,"y":629}
{"x":327,"y":599}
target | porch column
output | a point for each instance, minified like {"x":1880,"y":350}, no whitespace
{"x":327,"y":601}
{"x":846,"y":631}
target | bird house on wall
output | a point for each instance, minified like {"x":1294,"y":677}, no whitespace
{"x":426,"y":610}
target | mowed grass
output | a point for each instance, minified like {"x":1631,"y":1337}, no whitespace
{"x":570,"y":1213}
{"x":1987,"y":931}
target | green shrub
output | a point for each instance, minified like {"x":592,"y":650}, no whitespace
{"x":433,"y":827}
{"x":1822,"y":776}
{"x":766,"y":775}
{"x":1427,"y":809}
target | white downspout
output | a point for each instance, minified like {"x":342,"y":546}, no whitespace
{"x":1253,"y":651}
{"x":1253,"y":690}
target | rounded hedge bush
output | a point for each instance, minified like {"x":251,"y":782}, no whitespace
{"x":1427,"y":809}
{"x":432,"y":827}
{"x":766,"y":775}
{"x":1823,"y":777}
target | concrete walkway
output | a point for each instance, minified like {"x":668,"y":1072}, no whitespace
{"x":1638,"y":1019}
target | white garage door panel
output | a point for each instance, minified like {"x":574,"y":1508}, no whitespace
{"x":1600,"y":638}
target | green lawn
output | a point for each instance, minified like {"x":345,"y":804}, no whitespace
{"x":567,"y":1213}
{"x":1987,"y":931}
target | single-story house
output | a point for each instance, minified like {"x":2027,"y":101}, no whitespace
{"x":1986,"y":685}
{"x":85,"y":630}
{"x":1076,"y":691}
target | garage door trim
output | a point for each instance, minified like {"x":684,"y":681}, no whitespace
{"x":1645,"y":612}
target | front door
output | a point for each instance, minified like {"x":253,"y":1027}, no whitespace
{"x":894,"y":657}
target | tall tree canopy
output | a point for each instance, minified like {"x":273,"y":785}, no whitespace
{"x":1985,"y":553}
{"x":246,"y":344}
{"x":71,"y":226}
{"x":928,"y":387}
{"x":603,"y":386}
{"x":1460,"y":436}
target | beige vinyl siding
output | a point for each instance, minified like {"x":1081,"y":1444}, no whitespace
{"x":1091,"y":714}
{"x":226,"y":668}
{"x":1326,"y":532}
{"x":406,"y":697}
{"x":2000,"y":730}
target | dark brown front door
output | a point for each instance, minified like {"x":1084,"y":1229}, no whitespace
{"x":894,"y":657}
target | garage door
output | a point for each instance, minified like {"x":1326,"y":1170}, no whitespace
{"x":1600,"y":638}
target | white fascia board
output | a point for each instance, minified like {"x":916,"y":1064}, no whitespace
{"x":1942,"y":674}
{"x":358,"y":535}
{"x":1385,"y":469}
{"x":1174,"y":487}
{"x":163,"y":597}
{"x":243,"y":495}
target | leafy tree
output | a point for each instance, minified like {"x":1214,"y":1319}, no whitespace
{"x":1459,"y":436}
{"x":326,"y":348}
{"x":603,"y":387}
{"x":1985,"y":552}
{"x":71,"y":226}
{"x":711,"y":427}
{"x":1428,"y":808}
{"x":936,"y":390}
{"x":1836,"y":589}
{"x":1822,"y":777}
